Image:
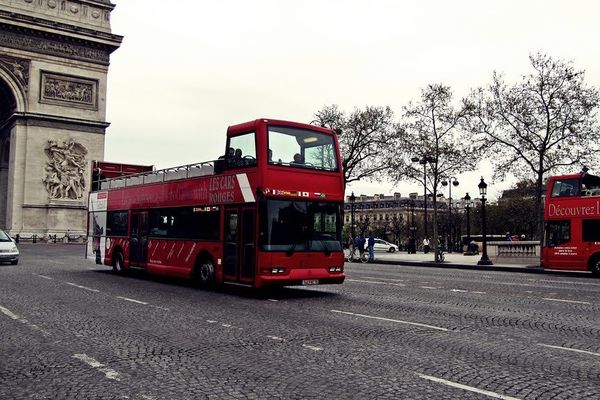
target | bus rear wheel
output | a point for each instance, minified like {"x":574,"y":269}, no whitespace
{"x":205,"y":273}
{"x":595,"y":265}
{"x":118,"y":263}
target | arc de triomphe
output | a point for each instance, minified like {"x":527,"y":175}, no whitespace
{"x":54,"y":58}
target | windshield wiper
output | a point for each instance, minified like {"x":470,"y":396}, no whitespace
{"x":325,"y":247}
{"x":290,"y":251}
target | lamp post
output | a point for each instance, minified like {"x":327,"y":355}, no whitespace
{"x":352,"y":232}
{"x":483,"y":191}
{"x":423,"y":161}
{"x":451,"y":181}
{"x":468,"y":205}
{"x":412,"y":241}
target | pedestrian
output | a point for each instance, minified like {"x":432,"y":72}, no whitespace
{"x":426,"y":247}
{"x":371,"y":245}
{"x":360,"y":244}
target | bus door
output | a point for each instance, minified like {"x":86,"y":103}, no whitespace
{"x":138,"y":253}
{"x":240,"y":245}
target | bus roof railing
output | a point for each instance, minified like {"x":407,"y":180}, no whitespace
{"x":162,"y":175}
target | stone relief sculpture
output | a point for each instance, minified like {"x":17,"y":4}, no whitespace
{"x":65,"y":170}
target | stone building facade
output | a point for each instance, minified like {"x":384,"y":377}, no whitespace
{"x":54,"y":59}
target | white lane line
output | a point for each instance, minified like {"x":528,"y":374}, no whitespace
{"x":314,"y":348}
{"x":469,"y":388}
{"x":569,"y":349}
{"x":384,"y":279}
{"x":391,"y":320}
{"x":22,"y":320}
{"x":226,"y":325}
{"x":273,"y":300}
{"x":565,"y":282}
{"x":132,"y":300}
{"x":108,"y":372}
{"x":82,"y":287}
{"x":427,"y":287}
{"x":459,"y":290}
{"x":276,"y":338}
{"x":210,"y":321}
{"x":566,"y":301}
{"x":44,"y":276}
{"x":375,"y":282}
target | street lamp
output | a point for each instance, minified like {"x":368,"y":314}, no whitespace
{"x":483,"y":191}
{"x":412,"y":241}
{"x":423,"y":161}
{"x":454,"y":182}
{"x":468,"y":205}
{"x":352,"y":232}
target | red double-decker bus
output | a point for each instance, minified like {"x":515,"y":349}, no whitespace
{"x":268,"y":212}
{"x":572,"y":223}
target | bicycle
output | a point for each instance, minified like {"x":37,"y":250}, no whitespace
{"x":355,"y":255}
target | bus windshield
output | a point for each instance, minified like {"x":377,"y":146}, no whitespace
{"x":293,"y":226}
{"x":301,"y":148}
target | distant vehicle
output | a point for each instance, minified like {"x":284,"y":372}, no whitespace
{"x":382,"y":245}
{"x":8,"y":249}
{"x":572,"y":223}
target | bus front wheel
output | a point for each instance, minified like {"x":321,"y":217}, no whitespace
{"x":595,"y":265}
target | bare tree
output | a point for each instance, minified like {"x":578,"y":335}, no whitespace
{"x":432,"y":133}
{"x":364,"y":139}
{"x":540,"y":125}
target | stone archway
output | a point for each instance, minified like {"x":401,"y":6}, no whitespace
{"x":54,"y":58}
{"x":7,"y":109}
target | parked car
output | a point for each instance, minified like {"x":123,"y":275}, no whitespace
{"x":382,"y":245}
{"x":8,"y":249}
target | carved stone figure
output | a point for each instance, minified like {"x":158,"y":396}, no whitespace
{"x":65,"y":170}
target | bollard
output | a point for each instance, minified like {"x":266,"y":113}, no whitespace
{"x":17,"y":238}
{"x":34,"y":238}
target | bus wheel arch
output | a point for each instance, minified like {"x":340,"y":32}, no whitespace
{"x":204,"y":269}
{"x":594,"y":264}
{"x":118,"y":260}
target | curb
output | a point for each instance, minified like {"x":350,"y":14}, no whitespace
{"x":528,"y":269}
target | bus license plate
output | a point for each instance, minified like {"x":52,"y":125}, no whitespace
{"x":307,"y":282}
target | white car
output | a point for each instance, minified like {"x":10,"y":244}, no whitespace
{"x":8,"y":249}
{"x":382,"y":245}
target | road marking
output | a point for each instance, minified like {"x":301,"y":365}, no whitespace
{"x":210,"y":321}
{"x":314,"y":348}
{"x":274,"y":300}
{"x":44,"y":276}
{"x":384,"y":279}
{"x":82,"y":287}
{"x":459,"y":290}
{"x":22,"y":320}
{"x":276,"y":338}
{"x":132,"y":300}
{"x":569,"y":349}
{"x":565,"y":282}
{"x":226,"y":325}
{"x":391,"y":320}
{"x":566,"y":301}
{"x":465,"y":387}
{"x":427,"y":287}
{"x":108,"y":372}
{"x":375,"y":282}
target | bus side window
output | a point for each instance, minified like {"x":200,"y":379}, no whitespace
{"x":557,"y":233}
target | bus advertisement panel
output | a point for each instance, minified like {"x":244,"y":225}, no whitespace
{"x":268,"y":212}
{"x":572,"y":223}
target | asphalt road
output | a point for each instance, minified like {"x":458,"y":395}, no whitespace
{"x":72,"y":330}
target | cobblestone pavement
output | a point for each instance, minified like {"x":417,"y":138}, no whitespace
{"x":73,"y":330}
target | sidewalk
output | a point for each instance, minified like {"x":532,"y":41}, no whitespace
{"x":453,"y":260}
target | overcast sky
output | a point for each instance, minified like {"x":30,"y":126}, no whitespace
{"x":187,"y":69}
